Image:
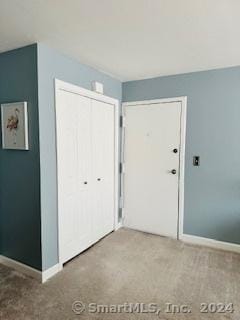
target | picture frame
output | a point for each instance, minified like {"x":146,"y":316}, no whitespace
{"x":14,"y":120}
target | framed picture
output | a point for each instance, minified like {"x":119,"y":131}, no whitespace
{"x":14,"y":126}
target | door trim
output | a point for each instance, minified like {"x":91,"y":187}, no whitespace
{"x":65,"y":86}
{"x":183,"y":121}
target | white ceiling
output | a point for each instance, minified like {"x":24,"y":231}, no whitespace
{"x":129,"y":39}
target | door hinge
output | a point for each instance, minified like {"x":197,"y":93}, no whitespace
{"x":120,"y":167}
{"x":122,"y":121}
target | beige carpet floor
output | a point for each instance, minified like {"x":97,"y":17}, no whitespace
{"x":127,"y":266}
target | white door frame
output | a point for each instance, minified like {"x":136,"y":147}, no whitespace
{"x":65,"y":86}
{"x":183,"y":101}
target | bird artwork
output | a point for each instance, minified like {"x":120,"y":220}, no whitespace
{"x":14,"y":120}
{"x":12,"y":123}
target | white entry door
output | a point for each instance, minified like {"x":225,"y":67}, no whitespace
{"x":151,"y":167}
{"x":86,"y":155}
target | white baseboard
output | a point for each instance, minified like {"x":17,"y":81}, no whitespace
{"x":47,"y":274}
{"x":41,"y":276}
{"x":227,"y":246}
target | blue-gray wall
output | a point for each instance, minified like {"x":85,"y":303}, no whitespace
{"x":20,"y":228}
{"x":52,"y":64}
{"x":212,"y":191}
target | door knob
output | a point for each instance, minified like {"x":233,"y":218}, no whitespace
{"x":174,"y":171}
{"x":98,"y":179}
{"x":175,"y":150}
{"x":85,"y":182}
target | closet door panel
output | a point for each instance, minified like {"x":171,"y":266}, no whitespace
{"x":84,"y":172}
{"x":108,"y":168}
{"x":67,"y":184}
{"x":74,"y":152}
{"x":103,"y":167}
